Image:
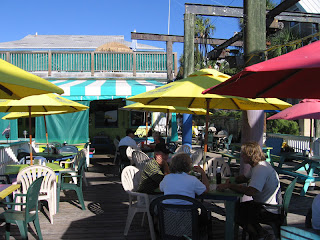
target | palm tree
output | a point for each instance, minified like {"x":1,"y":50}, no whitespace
{"x":204,"y":28}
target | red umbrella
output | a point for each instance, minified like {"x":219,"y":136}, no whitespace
{"x":305,"y":109}
{"x":292,"y":75}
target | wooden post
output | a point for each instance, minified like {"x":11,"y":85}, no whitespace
{"x":188,"y":52}
{"x":175,"y":65}
{"x":254,"y":42}
{"x":49,"y":63}
{"x":8,"y":57}
{"x":134,"y":64}
{"x":169,"y":61}
{"x":92,"y":64}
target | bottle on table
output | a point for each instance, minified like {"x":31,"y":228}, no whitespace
{"x":218,"y":175}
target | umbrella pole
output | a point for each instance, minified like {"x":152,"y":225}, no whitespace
{"x":206,"y":136}
{"x":45,"y":127}
{"x":30,"y":137}
{"x":310,"y":144}
{"x":146,"y":113}
{"x":167,"y":125}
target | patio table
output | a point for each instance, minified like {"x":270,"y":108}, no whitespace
{"x":306,"y":164}
{"x":7,"y":189}
{"x":15,"y":169}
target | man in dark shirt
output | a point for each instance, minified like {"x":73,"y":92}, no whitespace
{"x":155,"y":170}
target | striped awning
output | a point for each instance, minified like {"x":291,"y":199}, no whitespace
{"x":104,"y":89}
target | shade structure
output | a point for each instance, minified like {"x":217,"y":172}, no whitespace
{"x":305,"y":109}
{"x":187,"y":92}
{"x":16,"y":83}
{"x":40,"y":103}
{"x":161,"y":108}
{"x":16,"y":115}
{"x":292,"y":75}
{"x":113,"y":47}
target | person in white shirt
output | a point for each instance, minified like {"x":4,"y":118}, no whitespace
{"x":180,"y":182}
{"x":128,"y":139}
{"x":264,"y":187}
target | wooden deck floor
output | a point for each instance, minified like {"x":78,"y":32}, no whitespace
{"x":106,"y":212}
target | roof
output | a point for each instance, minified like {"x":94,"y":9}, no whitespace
{"x":309,"y":6}
{"x":70,"y":42}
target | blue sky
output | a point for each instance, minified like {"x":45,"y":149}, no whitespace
{"x":104,"y":17}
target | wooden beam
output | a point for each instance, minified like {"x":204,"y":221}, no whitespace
{"x":177,"y":38}
{"x":237,"y":12}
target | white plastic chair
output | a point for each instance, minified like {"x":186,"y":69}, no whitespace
{"x":196,"y":157}
{"x":129,"y":152}
{"x":184,"y":148}
{"x":140,"y":159}
{"x":48,"y":188}
{"x":138,"y":202}
{"x":117,"y":153}
{"x":213,"y":163}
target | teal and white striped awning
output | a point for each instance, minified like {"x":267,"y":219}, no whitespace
{"x":104,"y":89}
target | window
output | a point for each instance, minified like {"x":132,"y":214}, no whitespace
{"x":139,"y":119}
{"x":106,"y":114}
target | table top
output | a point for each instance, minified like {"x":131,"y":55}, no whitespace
{"x":299,"y":156}
{"x":15,"y":169}
{"x":7,"y":189}
{"x":55,"y":156}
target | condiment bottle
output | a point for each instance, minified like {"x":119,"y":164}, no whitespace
{"x":218,"y":175}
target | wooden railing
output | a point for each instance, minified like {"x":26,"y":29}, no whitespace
{"x":298,"y":143}
{"x":50,"y":61}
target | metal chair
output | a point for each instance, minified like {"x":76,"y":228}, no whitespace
{"x":48,"y":188}
{"x":138,"y":202}
{"x":76,"y":186}
{"x":140,"y":159}
{"x":29,"y":214}
{"x":177,"y":221}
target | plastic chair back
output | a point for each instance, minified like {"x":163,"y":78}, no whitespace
{"x":140,"y":159}
{"x":129,"y":178}
{"x":196,"y":157}
{"x":213,"y":163}
{"x":287,"y":196}
{"x":33,"y":196}
{"x":177,"y":221}
{"x":184,"y":148}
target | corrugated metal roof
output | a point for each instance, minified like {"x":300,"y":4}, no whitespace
{"x":88,"y":42}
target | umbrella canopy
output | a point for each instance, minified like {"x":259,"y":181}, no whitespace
{"x":16,"y":115}
{"x":113,"y":47}
{"x":16,"y":83}
{"x":187,"y":92}
{"x":305,"y":109}
{"x":40,"y":103}
{"x":292,"y":75}
{"x":166,"y":109}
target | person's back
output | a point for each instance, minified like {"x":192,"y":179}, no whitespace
{"x":128,"y":140}
{"x":316,"y":212}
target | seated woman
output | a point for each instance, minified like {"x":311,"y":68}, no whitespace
{"x":157,"y":139}
{"x":180,"y":182}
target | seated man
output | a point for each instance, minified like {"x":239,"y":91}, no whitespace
{"x":264,"y":187}
{"x":128,"y":139}
{"x":155,"y":170}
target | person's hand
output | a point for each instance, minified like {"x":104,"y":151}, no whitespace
{"x":198,"y":169}
{"x":221,"y":187}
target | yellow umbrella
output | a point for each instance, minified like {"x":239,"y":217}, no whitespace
{"x":16,"y":83}
{"x":40,"y":103}
{"x":187,"y":92}
{"x":15,"y":115}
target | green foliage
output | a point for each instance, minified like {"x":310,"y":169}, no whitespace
{"x":228,"y":113}
{"x":283,"y":126}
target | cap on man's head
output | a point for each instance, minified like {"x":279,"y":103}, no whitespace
{"x":162,"y":147}
{"x":129,"y":131}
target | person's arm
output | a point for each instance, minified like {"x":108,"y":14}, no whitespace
{"x":249,"y":191}
{"x":165,"y":167}
{"x":204,"y":178}
{"x":241,"y":179}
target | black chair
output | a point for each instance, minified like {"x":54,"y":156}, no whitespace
{"x":124,"y":160}
{"x":181,"y":221}
{"x":277,"y":220}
